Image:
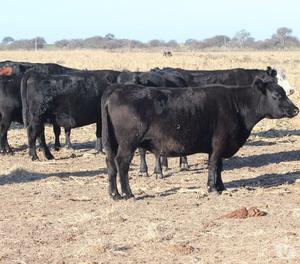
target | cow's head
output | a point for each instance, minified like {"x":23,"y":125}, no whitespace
{"x":274,"y":103}
{"x":281,"y":78}
{"x":6,"y":71}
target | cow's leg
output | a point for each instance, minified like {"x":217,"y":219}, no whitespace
{"x":143,"y":163}
{"x":7,"y":146}
{"x":183,"y":163}
{"x":112,"y":175}
{"x":123,"y":160}
{"x":220,"y":184}
{"x":214,"y":173}
{"x":158,"y":170}
{"x":215,"y":163}
{"x":68,"y":138}
{"x":164,"y":162}
{"x":56,"y":130}
{"x":34,"y":129}
{"x":39,"y":145}
{"x":44,"y":146}
{"x":4,"y":126}
{"x":98,"y":146}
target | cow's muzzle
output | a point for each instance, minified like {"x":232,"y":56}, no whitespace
{"x":295,"y":111}
{"x":292,"y":112}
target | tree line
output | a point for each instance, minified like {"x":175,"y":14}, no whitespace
{"x":281,"y":39}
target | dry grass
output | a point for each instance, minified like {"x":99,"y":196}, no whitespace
{"x":141,"y":60}
{"x":137,"y":60}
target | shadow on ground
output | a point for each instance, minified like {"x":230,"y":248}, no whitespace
{"x":261,"y":159}
{"x":276,"y":133}
{"x":22,"y":176}
{"x":266,"y":180}
{"x":255,"y":143}
{"x":75,"y":146}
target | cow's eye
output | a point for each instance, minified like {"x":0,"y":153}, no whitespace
{"x":277,"y":96}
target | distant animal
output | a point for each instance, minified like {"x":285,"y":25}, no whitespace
{"x":167,"y":53}
{"x":175,"y":122}
{"x":11,"y":74}
{"x":69,"y":100}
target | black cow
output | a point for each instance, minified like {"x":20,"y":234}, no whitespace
{"x":154,"y":78}
{"x":171,"y":122}
{"x":237,"y":76}
{"x":184,"y":78}
{"x":11,"y":74}
{"x":68,"y":100}
{"x":91,"y":77}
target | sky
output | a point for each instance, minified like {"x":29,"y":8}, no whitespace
{"x":145,"y":20}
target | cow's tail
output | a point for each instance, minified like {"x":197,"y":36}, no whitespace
{"x":109,"y":141}
{"x":25,"y":108}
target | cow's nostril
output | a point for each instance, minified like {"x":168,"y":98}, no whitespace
{"x":292,"y":91}
{"x":296,"y":111}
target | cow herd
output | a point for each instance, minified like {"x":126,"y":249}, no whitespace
{"x":170,"y":112}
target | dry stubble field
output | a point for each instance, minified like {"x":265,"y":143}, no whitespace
{"x":59,"y":211}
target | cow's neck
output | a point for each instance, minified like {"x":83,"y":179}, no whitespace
{"x":249,"y":104}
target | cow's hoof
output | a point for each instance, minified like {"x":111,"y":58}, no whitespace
{"x":143,"y":174}
{"x":34,"y":158}
{"x":100,"y":152}
{"x":127,"y":196}
{"x":56,"y":148}
{"x":98,"y":146}
{"x":115,"y":196}
{"x":184,"y":167}
{"x":213,"y":190}
{"x":164,"y":168}
{"x":159,"y":176}
{"x":49,"y":156}
{"x":221,"y":188}
{"x":70,"y":147}
{"x":6,"y":152}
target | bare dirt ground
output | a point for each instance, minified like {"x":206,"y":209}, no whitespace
{"x":59,"y":211}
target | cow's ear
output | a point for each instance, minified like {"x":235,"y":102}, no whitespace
{"x":271,"y":72}
{"x":260,"y":85}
